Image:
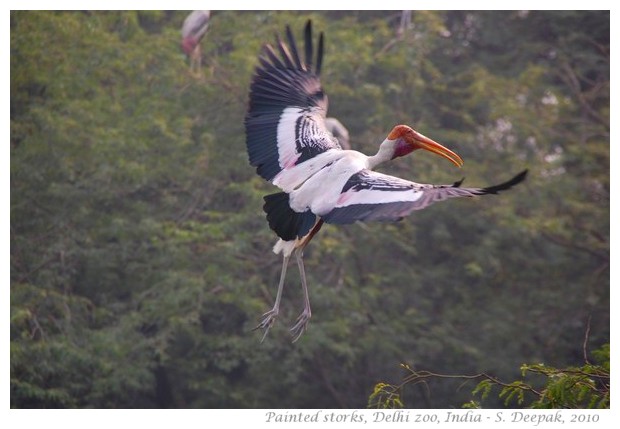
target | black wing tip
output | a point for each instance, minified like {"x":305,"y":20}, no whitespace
{"x":522,"y":175}
{"x":319,"y":54}
{"x":517,"y":179}
{"x":506,"y":185}
{"x":309,"y":47}
{"x":458,"y":183}
{"x":294,"y":57}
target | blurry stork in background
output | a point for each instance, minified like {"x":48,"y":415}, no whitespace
{"x":289,"y":144}
{"x":405,"y":23}
{"x":194,"y":29}
{"x":336,"y":129}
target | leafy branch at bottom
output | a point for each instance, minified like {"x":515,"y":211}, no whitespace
{"x":572,"y":387}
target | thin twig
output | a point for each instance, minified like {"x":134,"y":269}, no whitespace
{"x":585,"y":341}
{"x":419,"y":376}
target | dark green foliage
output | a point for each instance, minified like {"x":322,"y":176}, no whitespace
{"x":140,"y":254}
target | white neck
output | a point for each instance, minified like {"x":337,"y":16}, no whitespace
{"x":385,"y":154}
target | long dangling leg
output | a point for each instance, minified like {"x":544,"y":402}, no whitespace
{"x":270,"y":317}
{"x":303,"y":319}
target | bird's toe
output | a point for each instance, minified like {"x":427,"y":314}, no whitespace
{"x":267,"y":322}
{"x":301,"y":325}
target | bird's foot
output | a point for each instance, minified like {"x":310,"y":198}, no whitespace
{"x":267,"y":322}
{"x":301,"y":324}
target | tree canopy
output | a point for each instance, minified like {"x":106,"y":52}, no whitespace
{"x":141,"y":259}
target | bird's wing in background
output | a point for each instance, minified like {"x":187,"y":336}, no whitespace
{"x":372,"y":196}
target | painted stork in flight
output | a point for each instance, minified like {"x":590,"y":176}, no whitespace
{"x":290,"y":146}
{"x":194,"y":29}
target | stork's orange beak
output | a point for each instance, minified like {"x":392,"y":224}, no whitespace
{"x":422,"y":142}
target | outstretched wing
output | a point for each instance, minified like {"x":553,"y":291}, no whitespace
{"x":285,"y":122}
{"x":372,"y":196}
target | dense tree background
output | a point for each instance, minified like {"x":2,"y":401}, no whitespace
{"x":141,"y":259}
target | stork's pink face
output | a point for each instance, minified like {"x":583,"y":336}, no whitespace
{"x":408,"y":140}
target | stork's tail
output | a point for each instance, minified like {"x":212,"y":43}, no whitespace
{"x":286,"y":222}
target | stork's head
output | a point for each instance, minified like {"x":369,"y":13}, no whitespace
{"x":406,"y":140}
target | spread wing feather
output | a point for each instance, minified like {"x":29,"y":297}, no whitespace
{"x":285,"y":121}
{"x":372,"y":196}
